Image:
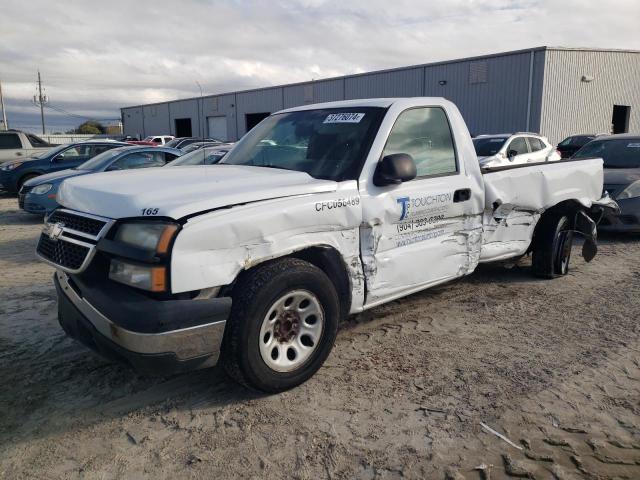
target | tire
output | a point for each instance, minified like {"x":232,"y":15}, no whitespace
{"x":271,"y":345}
{"x":24,"y":179}
{"x":552,"y":248}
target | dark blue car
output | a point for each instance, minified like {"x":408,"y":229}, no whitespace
{"x":38,"y":195}
{"x":15,"y":173}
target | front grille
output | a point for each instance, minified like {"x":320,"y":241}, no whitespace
{"x":90,"y":226}
{"x":66,"y":254}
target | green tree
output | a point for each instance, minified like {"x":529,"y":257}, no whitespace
{"x":91,"y":127}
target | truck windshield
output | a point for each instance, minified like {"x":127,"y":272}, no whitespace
{"x":618,"y":153}
{"x":328,"y":143}
{"x":486,"y":147}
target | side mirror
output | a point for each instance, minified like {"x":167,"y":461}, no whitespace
{"x":395,"y":169}
{"x":511,"y":154}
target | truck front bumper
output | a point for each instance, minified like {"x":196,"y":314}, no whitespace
{"x":140,"y":331}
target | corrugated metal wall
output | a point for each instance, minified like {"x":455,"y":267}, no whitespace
{"x":537,"y":90}
{"x":571,"y":105}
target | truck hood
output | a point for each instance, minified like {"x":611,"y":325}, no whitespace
{"x":178,"y":192}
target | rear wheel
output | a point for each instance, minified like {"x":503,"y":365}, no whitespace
{"x":283,"y":325}
{"x":552,"y":249}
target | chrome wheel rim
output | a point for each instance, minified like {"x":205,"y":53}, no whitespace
{"x":291,"y":330}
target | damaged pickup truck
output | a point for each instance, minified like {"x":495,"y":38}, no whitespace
{"x":319,"y":212}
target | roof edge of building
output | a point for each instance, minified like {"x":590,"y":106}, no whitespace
{"x":388,"y":70}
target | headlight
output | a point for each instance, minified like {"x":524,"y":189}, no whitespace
{"x":631,"y":191}
{"x":10,"y":166}
{"x":152,"y":236}
{"x":41,"y":189}
{"x":151,"y":278}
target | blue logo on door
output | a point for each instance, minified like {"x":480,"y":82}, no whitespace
{"x":404,"y":201}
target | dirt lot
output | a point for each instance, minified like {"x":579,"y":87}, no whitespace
{"x":552,"y":365}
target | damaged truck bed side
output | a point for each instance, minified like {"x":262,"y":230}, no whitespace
{"x":320,"y":211}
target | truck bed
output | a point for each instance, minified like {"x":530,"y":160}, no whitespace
{"x":516,"y":196}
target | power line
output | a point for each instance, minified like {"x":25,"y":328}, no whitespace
{"x":75,"y":115}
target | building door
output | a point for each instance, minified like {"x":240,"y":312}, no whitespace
{"x":183,"y":127}
{"x":620,"y":119}
{"x":252,"y":119}
{"x":217,"y":128}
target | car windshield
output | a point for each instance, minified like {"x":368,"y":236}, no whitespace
{"x":204,"y":156}
{"x":488,"y":146}
{"x":576,"y":141}
{"x":52,"y":151}
{"x":328,"y":143}
{"x":100,"y":161}
{"x":618,"y":153}
{"x":173,"y":143}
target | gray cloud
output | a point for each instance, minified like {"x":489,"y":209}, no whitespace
{"x":96,"y":58}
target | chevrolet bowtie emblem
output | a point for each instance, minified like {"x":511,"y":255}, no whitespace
{"x":54,"y":231}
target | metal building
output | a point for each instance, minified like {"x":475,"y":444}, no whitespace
{"x":552,"y":90}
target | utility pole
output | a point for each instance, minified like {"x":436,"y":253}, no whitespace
{"x":41,"y":101}
{"x":4,"y":112}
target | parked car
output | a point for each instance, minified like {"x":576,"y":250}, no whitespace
{"x":38,"y":195}
{"x":513,"y":149}
{"x":572,"y":144}
{"x":345,"y":206}
{"x":17,"y":145}
{"x":621,"y":156}
{"x":181,"y":142}
{"x":198,"y":145}
{"x":14,"y":174}
{"x":152,"y":140}
{"x":202,"y":156}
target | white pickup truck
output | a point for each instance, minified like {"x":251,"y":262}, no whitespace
{"x":15,"y":145}
{"x":318,"y":212}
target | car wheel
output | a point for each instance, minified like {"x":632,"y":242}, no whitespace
{"x":282,"y":327}
{"x":552,"y":248}
{"x":24,"y":179}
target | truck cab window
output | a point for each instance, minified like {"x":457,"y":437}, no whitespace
{"x":9,"y":141}
{"x":424,"y":134}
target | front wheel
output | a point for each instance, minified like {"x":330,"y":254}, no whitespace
{"x":552,"y":248}
{"x":283,"y":325}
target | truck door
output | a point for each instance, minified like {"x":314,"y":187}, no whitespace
{"x":427,"y":230}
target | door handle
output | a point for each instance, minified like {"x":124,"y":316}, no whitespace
{"x":18,"y":154}
{"x":462,"y":195}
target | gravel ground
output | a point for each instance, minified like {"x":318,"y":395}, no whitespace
{"x":552,"y":365}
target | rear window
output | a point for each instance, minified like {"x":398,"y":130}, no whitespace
{"x":9,"y":141}
{"x":486,"y":147}
{"x":37,"y":141}
{"x":619,"y":153}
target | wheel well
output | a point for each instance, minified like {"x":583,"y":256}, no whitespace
{"x":567,"y":207}
{"x":329,"y":260}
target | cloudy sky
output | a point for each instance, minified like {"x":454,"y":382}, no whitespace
{"x":97,"y":57}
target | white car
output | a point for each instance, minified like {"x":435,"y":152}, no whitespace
{"x":159,"y":139}
{"x":512,"y":149}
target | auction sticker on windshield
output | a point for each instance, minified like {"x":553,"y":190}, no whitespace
{"x":344,"y":118}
